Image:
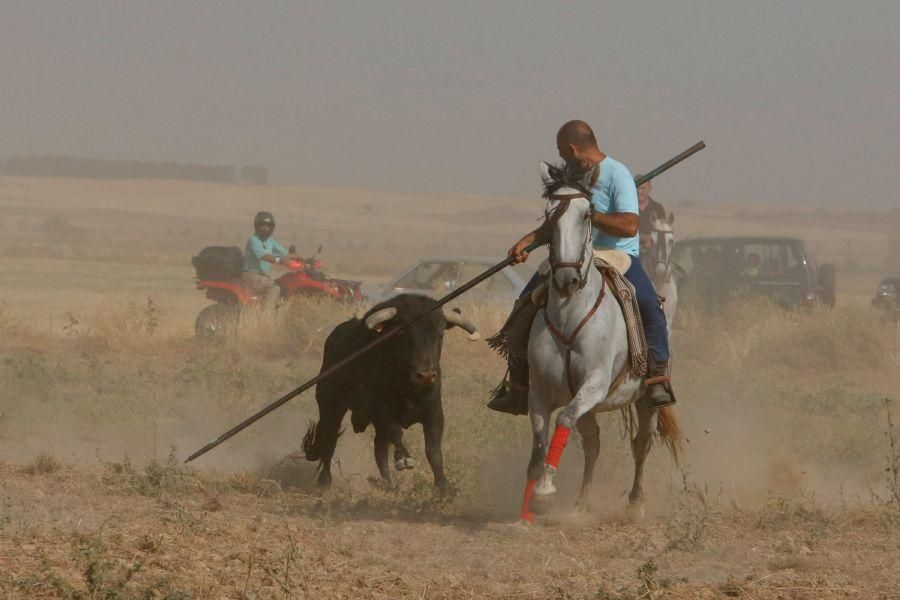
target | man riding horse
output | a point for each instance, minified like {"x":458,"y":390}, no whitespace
{"x":615,"y":221}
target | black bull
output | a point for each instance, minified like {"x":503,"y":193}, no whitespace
{"x":396,"y":387}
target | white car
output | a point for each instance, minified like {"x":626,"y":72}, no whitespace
{"x":439,"y":276}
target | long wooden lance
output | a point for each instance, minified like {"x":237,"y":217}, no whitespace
{"x":388,"y":334}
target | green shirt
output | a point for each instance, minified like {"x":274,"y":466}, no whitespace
{"x":256,"y":249}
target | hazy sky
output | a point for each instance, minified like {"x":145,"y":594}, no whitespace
{"x":797,"y":101}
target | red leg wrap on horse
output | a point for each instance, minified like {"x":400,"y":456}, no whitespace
{"x":526,"y":512}
{"x":557,"y":445}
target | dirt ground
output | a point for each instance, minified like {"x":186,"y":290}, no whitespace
{"x":789,"y":486}
{"x":79,"y":532}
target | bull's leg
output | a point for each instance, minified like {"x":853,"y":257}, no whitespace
{"x":433,"y":428}
{"x":540,"y":417}
{"x":382,"y":445}
{"x":402,"y":458}
{"x":327,"y":433}
{"x":387,"y":432}
{"x":640,"y":447}
{"x":590,"y":441}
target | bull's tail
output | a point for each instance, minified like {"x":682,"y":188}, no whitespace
{"x":316,"y":440}
{"x":311,"y":445}
{"x":670,"y":433}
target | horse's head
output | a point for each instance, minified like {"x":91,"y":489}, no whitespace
{"x":568,"y":217}
{"x":662,"y":239}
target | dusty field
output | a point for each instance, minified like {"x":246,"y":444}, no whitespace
{"x":89,"y":532}
{"x":789,"y":487}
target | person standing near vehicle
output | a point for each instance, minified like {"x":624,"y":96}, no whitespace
{"x":261,"y":252}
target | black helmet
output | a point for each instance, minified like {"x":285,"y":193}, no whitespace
{"x":263,"y":217}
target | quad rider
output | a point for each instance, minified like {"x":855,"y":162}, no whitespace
{"x":615,"y":220}
{"x":261,"y":252}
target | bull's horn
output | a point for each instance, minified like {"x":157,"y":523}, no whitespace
{"x":377,"y":318}
{"x":459,"y":321}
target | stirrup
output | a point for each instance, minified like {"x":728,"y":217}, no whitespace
{"x":659,"y":400}
{"x":510,"y":398}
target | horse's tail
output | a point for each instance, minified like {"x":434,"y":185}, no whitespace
{"x":670,"y":433}
{"x":666,"y":428}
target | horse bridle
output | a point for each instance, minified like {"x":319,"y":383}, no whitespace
{"x":565,"y":201}
{"x":568,"y":342}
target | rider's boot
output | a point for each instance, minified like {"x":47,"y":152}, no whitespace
{"x":511,"y":396}
{"x":659,"y":385}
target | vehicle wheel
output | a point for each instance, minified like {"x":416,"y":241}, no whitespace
{"x":215,"y":320}
{"x":345,"y":294}
{"x":828,"y":282}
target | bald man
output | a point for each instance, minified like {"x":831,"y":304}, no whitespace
{"x":615,"y":220}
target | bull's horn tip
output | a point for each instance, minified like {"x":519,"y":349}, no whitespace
{"x":474,"y":337}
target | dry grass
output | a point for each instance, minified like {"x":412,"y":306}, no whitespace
{"x":789,"y":487}
{"x":804,"y":481}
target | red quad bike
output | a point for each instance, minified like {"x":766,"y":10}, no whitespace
{"x":218,"y":271}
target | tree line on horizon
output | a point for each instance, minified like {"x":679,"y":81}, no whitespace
{"x":94,"y":168}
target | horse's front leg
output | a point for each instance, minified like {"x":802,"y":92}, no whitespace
{"x":588,"y":396}
{"x":539,"y":413}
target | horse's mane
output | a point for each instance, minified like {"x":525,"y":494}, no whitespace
{"x":566,"y":176}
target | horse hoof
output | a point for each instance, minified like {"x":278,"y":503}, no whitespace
{"x":522,"y":525}
{"x":636,"y":512}
{"x":541,"y":503}
{"x":404,"y":464}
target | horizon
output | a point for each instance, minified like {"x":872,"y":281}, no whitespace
{"x":794,"y":101}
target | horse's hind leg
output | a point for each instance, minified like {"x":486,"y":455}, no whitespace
{"x":640,"y":447}
{"x":590,"y":441}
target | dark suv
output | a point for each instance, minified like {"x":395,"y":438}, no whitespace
{"x":887,"y":296}
{"x":714,"y":269}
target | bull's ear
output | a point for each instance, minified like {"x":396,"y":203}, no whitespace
{"x":546,"y":177}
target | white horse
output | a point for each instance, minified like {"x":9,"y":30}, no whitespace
{"x":660,"y":267}
{"x":578,"y":354}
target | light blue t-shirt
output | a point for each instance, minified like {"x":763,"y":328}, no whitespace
{"x":615,"y":192}
{"x":256,"y":249}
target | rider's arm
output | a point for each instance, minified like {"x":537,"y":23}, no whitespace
{"x":255,"y":247}
{"x":539,"y":235}
{"x":622,"y":218}
{"x":623,"y":225}
{"x":278,"y":249}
